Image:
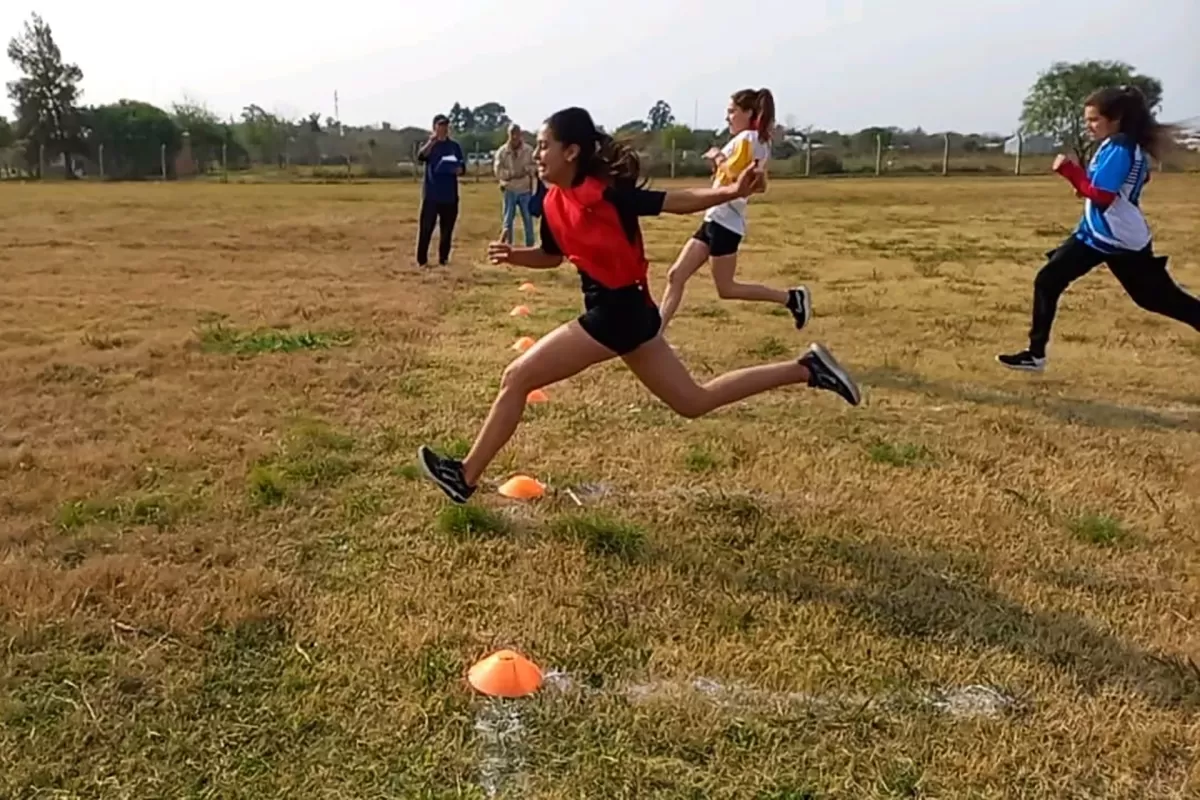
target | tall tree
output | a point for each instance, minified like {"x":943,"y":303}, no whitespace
{"x":1054,"y":105}
{"x":660,"y":116}
{"x":7,"y":136}
{"x":679,"y":135}
{"x":264,"y":133}
{"x":461,"y":118}
{"x":207,"y":132}
{"x":133,"y":134}
{"x":45,"y":97}
{"x":490,"y":116}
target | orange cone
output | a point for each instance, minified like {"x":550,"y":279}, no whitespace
{"x":526,"y":287}
{"x":522,"y":487}
{"x":505,"y":674}
{"x":519,"y":311}
{"x":523,"y":344}
{"x":537,"y":396}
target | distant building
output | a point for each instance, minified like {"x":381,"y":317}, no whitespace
{"x":1033,"y":145}
{"x":1188,"y":134}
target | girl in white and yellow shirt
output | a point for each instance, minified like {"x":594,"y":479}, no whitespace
{"x":751,"y":116}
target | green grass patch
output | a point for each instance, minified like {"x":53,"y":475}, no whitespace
{"x":313,"y":456}
{"x":360,"y":506}
{"x":603,"y":536}
{"x":220,"y":338}
{"x":711,"y":311}
{"x":472,"y":522}
{"x":1099,"y":529}
{"x":700,"y":459}
{"x":770,"y":347}
{"x":159,"y":510}
{"x":267,"y":486}
{"x":899,"y":455}
{"x":409,"y":472}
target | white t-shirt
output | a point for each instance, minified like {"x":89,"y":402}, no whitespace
{"x":740,"y":154}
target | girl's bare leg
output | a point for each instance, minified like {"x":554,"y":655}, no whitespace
{"x":797,"y":300}
{"x":690,"y":259}
{"x":660,"y":370}
{"x":564,"y":352}
{"x":729,"y":288}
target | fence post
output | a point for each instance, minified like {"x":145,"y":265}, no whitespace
{"x":477,"y":169}
{"x":672,"y":158}
{"x":162,"y":157}
{"x":101,"y":161}
{"x":224,"y":162}
{"x":946,"y":155}
{"x":41,"y":162}
{"x":878,"y":154}
{"x":1020,"y":147}
{"x":808,"y":157}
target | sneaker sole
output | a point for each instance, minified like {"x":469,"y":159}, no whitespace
{"x":826,"y":358}
{"x":455,"y":496}
{"x":805,"y":306}
{"x":1021,"y":367}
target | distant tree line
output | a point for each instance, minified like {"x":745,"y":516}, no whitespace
{"x":51,"y":126}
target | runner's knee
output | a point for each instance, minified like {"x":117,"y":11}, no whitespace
{"x":517,"y":377}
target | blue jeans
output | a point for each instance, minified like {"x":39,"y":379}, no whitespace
{"x":513,"y":201}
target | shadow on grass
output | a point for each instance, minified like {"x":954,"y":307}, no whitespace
{"x":933,"y":596}
{"x":1095,"y":413}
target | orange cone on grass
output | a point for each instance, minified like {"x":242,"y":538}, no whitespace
{"x":527,"y":287}
{"x":537,"y":396}
{"x":519,"y":311}
{"x":522,"y":487}
{"x":505,"y":674}
{"x":523,"y":344}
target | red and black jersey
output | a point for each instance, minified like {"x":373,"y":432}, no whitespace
{"x":595,"y":227}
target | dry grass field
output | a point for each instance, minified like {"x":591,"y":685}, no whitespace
{"x":221,"y":578}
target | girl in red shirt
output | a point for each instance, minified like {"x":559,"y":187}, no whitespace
{"x":590,"y":218}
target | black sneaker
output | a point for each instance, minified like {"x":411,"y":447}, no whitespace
{"x":1023,"y":360}
{"x":799,"y":302}
{"x":824,"y":372}
{"x":446,"y":473}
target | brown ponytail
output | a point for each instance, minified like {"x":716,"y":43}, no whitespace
{"x":622,"y":167}
{"x":761,"y":105}
{"x":1127,"y":106}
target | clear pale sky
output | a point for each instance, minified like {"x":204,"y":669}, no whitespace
{"x":846,"y":64}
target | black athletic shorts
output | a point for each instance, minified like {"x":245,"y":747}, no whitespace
{"x":720,"y":240}
{"x":620,"y":319}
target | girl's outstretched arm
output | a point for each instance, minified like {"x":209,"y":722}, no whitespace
{"x":689,"y":201}
{"x":531,"y":257}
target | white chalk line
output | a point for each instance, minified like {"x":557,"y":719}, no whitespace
{"x":503,"y":751}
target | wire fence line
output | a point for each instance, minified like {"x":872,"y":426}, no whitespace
{"x":389,"y":159}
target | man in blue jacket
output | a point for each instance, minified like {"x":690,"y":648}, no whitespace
{"x":444,"y":162}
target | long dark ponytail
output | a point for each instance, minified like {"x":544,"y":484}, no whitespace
{"x":600,"y":155}
{"x":1128,"y":106}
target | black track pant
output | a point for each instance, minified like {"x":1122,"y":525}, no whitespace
{"x":443,"y":215}
{"x":1143,"y":275}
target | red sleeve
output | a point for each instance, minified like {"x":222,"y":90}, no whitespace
{"x":1077,"y":176}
